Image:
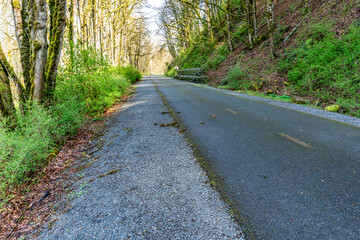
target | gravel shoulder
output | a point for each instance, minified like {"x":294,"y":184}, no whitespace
{"x":143,"y":182}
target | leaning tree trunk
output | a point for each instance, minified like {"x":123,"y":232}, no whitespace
{"x":57,"y":26}
{"x":7,"y":75}
{"x":6,"y":100}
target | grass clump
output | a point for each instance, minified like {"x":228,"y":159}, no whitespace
{"x":241,"y":78}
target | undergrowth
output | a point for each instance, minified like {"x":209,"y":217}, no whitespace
{"x":327,"y":67}
{"x":323,"y":68}
{"x":171,"y":72}
{"x":86,"y":87}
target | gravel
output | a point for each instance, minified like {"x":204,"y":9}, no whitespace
{"x":144,"y":183}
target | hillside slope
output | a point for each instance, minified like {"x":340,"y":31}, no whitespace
{"x":317,"y":56}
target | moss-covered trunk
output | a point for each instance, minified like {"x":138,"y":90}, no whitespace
{"x":57,"y":26}
{"x":6,"y":102}
{"x":7,"y":75}
{"x":250,"y":7}
{"x":39,"y":47}
{"x":22,"y":32}
{"x":71,"y":31}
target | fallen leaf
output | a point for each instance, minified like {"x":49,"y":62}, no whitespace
{"x":182,"y":130}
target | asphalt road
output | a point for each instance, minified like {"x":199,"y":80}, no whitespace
{"x":290,"y":175}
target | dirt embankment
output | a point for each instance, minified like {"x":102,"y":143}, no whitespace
{"x":292,"y":17}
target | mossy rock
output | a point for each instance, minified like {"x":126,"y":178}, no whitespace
{"x":332,"y":108}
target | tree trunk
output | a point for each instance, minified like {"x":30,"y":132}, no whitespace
{"x":271,"y":25}
{"x":38,"y":17}
{"x":93,"y":20}
{"x":6,"y":100}
{"x":6,"y":75}
{"x":228,"y":26}
{"x":251,"y":21}
{"x":22,"y":32}
{"x":254,"y":12}
{"x":57,"y":26}
{"x":71,"y":31}
{"x":209,"y":20}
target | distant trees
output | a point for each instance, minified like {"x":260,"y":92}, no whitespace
{"x":116,"y":29}
{"x":182,"y":20}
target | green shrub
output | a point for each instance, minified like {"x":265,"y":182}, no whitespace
{"x":24,"y":149}
{"x":94,"y":86}
{"x":217,"y":57}
{"x":171,"y":72}
{"x":69,"y":115}
{"x":130,"y":73}
{"x":239,"y":79}
{"x":326,"y":67}
{"x":196,"y":55}
{"x":329,"y":63}
{"x":87,"y":86}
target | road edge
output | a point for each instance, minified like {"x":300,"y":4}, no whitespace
{"x":341,"y":118}
{"x":215,"y":181}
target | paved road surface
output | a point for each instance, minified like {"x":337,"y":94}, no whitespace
{"x":291,"y":175}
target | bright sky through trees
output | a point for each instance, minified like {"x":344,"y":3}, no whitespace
{"x":151,"y":11}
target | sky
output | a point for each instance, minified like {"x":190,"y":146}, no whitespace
{"x":151,"y":13}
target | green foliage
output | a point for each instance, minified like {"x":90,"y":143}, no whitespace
{"x":278,"y":34}
{"x":23,"y":149}
{"x":87,"y":86}
{"x":171,"y":72}
{"x":95,"y":84}
{"x":284,"y":98}
{"x":217,"y":57}
{"x":317,"y":31}
{"x":130,"y":73}
{"x":239,"y":79}
{"x":325,"y":64}
{"x":196,"y":55}
{"x":202,"y":54}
